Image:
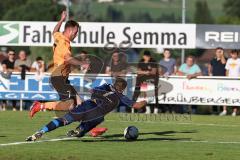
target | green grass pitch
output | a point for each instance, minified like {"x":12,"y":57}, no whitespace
{"x":161,"y":137}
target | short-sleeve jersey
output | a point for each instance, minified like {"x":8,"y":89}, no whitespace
{"x":61,"y":48}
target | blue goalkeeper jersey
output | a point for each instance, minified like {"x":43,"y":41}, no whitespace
{"x":124,"y":100}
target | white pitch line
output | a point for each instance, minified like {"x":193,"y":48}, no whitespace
{"x":72,"y":138}
{"x":50,"y":140}
{"x":181,"y":123}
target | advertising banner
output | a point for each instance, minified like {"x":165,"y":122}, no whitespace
{"x":96,"y":34}
{"x":174,"y":90}
{"x":213,"y":36}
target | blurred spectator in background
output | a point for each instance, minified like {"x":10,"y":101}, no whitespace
{"x":167,"y":68}
{"x":9,"y":67}
{"x":5,"y":76}
{"x":85,"y":66}
{"x":191,"y":70}
{"x":147,"y":70}
{"x":83,"y":57}
{"x":38,"y":66}
{"x":4,"y":72}
{"x":217,"y":64}
{"x":168,"y":63}
{"x":217,"y":68}
{"x":232,"y":70}
{"x":23,"y":64}
{"x":117,"y":66}
{"x":10,"y":60}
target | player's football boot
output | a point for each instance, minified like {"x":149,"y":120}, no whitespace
{"x":71,"y":133}
{"x":76,"y":133}
{"x":35,"y":136}
{"x":36,"y":107}
{"x":97,"y":131}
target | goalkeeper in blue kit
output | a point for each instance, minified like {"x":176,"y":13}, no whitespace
{"x":91,"y":112}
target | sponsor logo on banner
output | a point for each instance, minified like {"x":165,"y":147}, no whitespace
{"x":213,"y":36}
{"x":9,"y":33}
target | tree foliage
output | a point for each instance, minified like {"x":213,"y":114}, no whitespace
{"x":114,"y":15}
{"x":140,"y":17}
{"x":34,"y":10}
{"x":231,"y":8}
{"x":7,"y":5}
{"x":202,"y":13}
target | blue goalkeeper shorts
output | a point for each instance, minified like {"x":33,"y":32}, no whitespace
{"x":84,"y":107}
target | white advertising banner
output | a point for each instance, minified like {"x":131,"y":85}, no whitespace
{"x":174,"y":90}
{"x":96,"y":34}
{"x":200,"y":91}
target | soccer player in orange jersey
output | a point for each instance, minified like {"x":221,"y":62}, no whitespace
{"x":63,"y":60}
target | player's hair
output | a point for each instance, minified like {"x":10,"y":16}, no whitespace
{"x":84,"y":52}
{"x":192,"y":57}
{"x":122,"y":82}
{"x":10,"y":50}
{"x":71,"y":24}
{"x":234,"y":51}
{"x":39,"y":59}
{"x":219,"y":48}
{"x":147,"y":53}
{"x":167,"y":49}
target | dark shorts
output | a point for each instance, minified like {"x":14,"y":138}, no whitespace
{"x":103,"y":103}
{"x":86,"y":106}
{"x":64,"y":89}
{"x":85,"y":126}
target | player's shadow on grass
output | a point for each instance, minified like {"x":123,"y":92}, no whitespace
{"x":139,"y":139}
{"x":168,"y":133}
{"x":116,"y":137}
{"x":165,"y":133}
{"x":2,"y":136}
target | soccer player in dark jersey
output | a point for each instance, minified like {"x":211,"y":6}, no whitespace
{"x":91,"y":112}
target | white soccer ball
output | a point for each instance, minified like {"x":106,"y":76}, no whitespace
{"x":131,"y":133}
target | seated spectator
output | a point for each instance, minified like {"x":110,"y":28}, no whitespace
{"x":117,"y":66}
{"x":9,"y":63}
{"x":169,"y":63}
{"x":22,"y":64}
{"x":189,"y":69}
{"x":38,"y":66}
{"x":147,"y":70}
{"x":232,"y":70}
